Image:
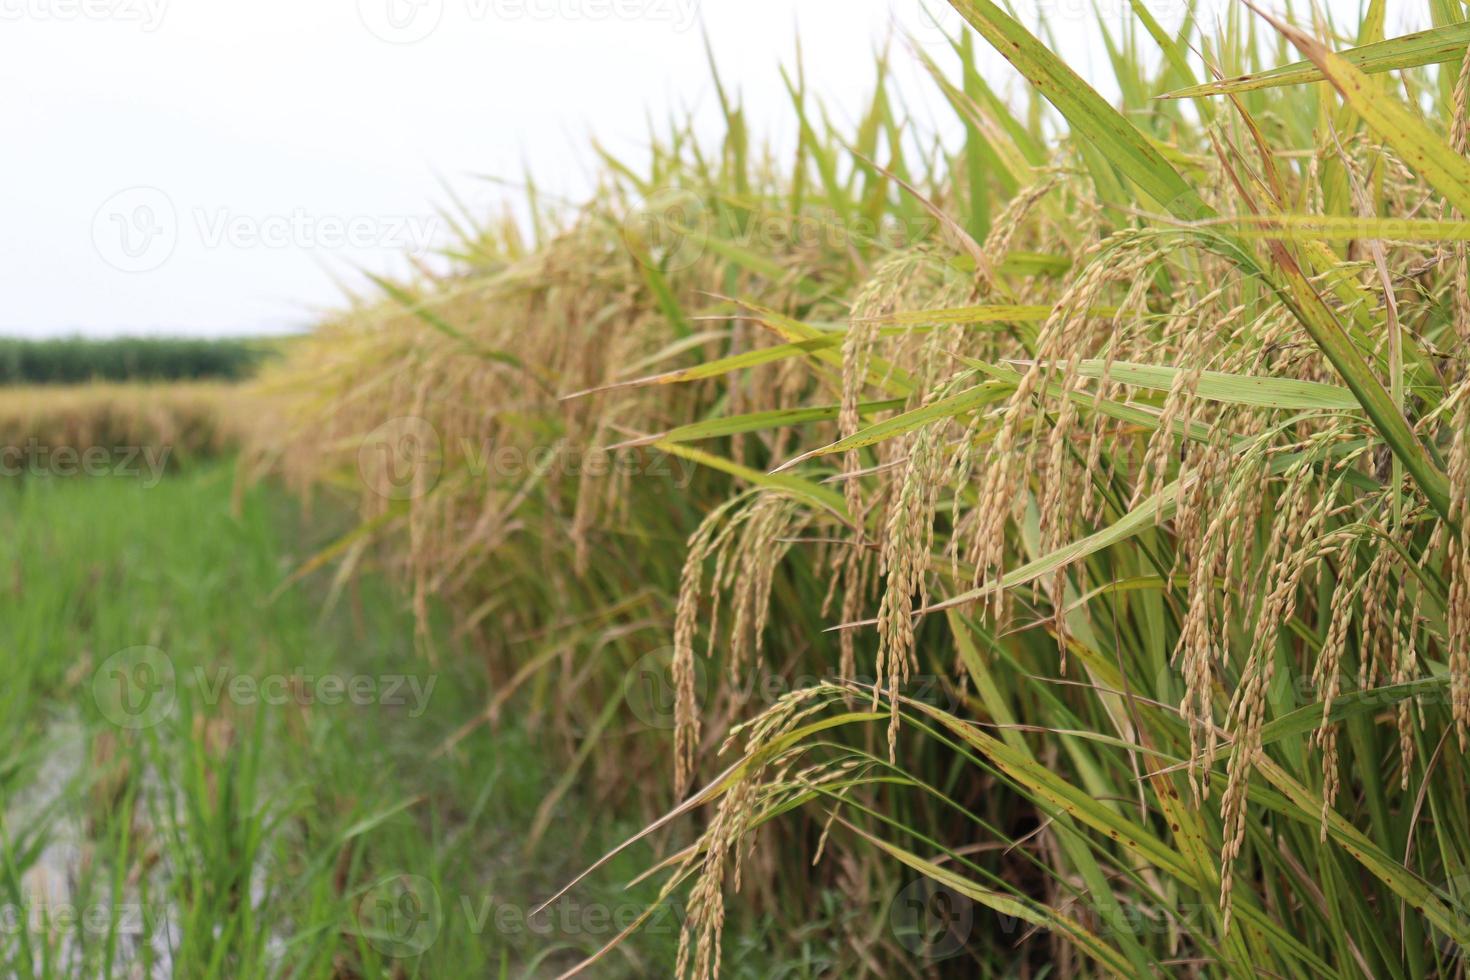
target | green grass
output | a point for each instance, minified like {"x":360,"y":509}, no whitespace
{"x":232,"y":839}
{"x":71,"y":360}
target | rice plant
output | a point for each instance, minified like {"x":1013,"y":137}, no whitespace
{"x":1141,"y":429}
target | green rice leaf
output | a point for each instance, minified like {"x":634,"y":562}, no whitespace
{"x":1022,"y":908}
{"x":951,"y":407}
{"x":1237,"y":389}
{"x":1437,"y":46}
{"x":1421,"y":148}
{"x":1089,"y":113}
{"x":784,"y":482}
{"x":1307,"y":228}
{"x":757,"y":421}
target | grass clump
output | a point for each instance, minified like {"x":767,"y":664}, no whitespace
{"x":1144,"y":446}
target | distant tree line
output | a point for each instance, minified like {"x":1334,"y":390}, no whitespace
{"x":78,"y":359}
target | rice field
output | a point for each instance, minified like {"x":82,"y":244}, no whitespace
{"x":1031,"y":552}
{"x":130,"y":429}
{"x":214,"y":778}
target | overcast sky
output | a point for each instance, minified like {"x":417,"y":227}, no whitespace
{"x":212,"y":167}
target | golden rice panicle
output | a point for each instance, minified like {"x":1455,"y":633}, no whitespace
{"x":1458,"y":613}
{"x":1403,"y":636}
{"x":1201,"y":642}
{"x":891,"y":285}
{"x":699,"y":940}
{"x":880,"y":294}
{"x":1001,"y":477}
{"x":856,"y":348}
{"x":1013,"y":450}
{"x":1457,"y":617}
{"x":757,"y":552}
{"x":854,"y":571}
{"x":1457,"y":253}
{"x":699,"y":937}
{"x":1007,"y":225}
{"x":908,"y":543}
{"x":1295,"y":524}
{"x":1327,"y":674}
{"x":746,"y":538}
{"x":702,"y":543}
{"x":1177,"y":415}
{"x":1376,"y":656}
{"x":1066,"y":493}
{"x":419,"y":533}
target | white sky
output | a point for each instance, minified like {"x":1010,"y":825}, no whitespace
{"x":211,"y":167}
